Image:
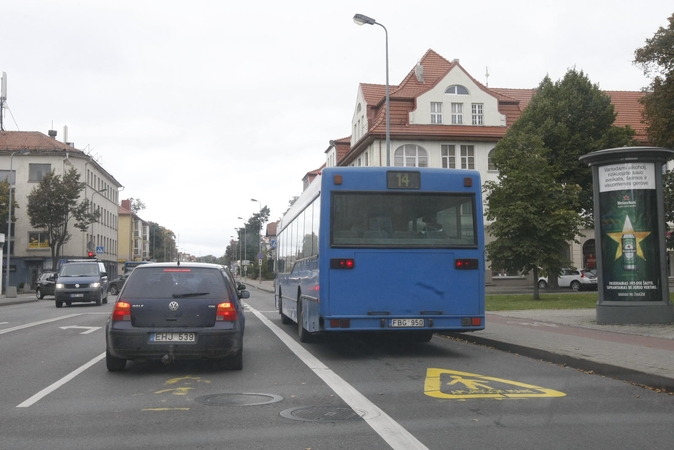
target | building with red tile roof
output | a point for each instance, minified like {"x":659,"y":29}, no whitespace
{"x":440,"y":116}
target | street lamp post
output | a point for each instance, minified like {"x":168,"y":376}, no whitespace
{"x":361,"y":19}
{"x":259,"y":242}
{"x":245,"y":245}
{"x":9,"y":207}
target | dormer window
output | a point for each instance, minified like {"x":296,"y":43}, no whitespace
{"x":456,"y":89}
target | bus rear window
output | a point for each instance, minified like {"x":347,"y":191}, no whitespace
{"x":403,"y":220}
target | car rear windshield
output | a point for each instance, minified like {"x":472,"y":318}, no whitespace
{"x":176,"y":282}
{"x":79,"y":270}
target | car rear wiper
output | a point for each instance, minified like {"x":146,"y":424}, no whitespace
{"x":191,"y":294}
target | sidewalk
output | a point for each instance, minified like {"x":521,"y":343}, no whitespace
{"x":641,"y":354}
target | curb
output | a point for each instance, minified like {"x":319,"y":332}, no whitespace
{"x":608,"y":370}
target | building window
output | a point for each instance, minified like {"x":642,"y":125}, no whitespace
{"x":410,"y":156}
{"x":457,"y":113}
{"x":38,"y":240}
{"x":436,"y":112}
{"x":367,"y":159}
{"x":467,"y":157}
{"x":456,"y":89}
{"x":36,"y":172}
{"x":490,"y":161}
{"x":448,"y":157}
{"x":476,"y":110}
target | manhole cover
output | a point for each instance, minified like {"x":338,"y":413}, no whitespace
{"x":243,"y":399}
{"x":322,"y":414}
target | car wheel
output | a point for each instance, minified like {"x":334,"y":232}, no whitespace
{"x":542,"y":284}
{"x":113,"y":363}
{"x":99,"y":299}
{"x":302,"y":333}
{"x":59,"y":303}
{"x":39,"y":294}
{"x":575,"y":285}
{"x":113,"y":289}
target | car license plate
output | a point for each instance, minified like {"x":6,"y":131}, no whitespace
{"x":76,"y":295}
{"x":173,"y":337}
{"x":407,"y":323}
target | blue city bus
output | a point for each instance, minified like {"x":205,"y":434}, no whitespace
{"x":386,"y":249}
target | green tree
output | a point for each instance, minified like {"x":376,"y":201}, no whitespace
{"x":533,"y":213}
{"x":162,"y":243}
{"x":656,"y":60}
{"x":250,"y":236}
{"x":53,"y":204}
{"x":136,"y":205}
{"x":573,"y":117}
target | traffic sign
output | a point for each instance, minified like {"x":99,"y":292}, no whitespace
{"x":100,"y":249}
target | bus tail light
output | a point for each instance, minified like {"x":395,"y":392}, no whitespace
{"x":471,"y":322}
{"x":466,"y":264}
{"x":342,"y":263}
{"x":340,"y":323}
{"x":226,"y":311}
{"x":122,"y":311}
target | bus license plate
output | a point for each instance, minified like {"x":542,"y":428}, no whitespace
{"x":173,"y":337}
{"x":407,"y":323}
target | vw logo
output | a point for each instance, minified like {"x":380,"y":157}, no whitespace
{"x":173,"y":306}
{"x":77,"y":286}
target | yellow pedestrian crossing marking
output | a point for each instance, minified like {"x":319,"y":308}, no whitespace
{"x":455,"y":385}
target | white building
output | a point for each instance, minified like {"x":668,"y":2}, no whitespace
{"x":25,"y":157}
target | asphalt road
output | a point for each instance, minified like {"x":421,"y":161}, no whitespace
{"x":349,"y":392}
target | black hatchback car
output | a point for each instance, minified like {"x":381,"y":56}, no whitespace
{"x":174,"y":311}
{"x":45,"y":284}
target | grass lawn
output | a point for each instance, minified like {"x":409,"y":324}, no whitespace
{"x":512,"y":302}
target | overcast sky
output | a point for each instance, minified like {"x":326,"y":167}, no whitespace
{"x":196,"y":107}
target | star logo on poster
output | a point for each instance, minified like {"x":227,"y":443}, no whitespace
{"x":628,"y":229}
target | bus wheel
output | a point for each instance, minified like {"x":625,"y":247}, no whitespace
{"x":302,"y":333}
{"x":285,"y":320}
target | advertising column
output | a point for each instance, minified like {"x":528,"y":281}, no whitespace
{"x":630,"y":235}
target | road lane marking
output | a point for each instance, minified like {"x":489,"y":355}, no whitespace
{"x":34,"y":324}
{"x":390,"y":431}
{"x":48,"y":390}
{"x":88,"y":329}
{"x":455,"y":385}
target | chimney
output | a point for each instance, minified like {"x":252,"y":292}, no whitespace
{"x":126,"y":204}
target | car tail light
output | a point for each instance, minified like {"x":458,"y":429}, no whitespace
{"x":226,"y":311}
{"x":122,"y":311}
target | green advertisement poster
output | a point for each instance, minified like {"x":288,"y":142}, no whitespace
{"x":630,"y":230}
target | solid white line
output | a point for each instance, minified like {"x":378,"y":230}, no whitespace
{"x":33,"y":324}
{"x":390,"y":430}
{"x":48,"y":390}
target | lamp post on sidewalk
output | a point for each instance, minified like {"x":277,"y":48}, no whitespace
{"x":259,"y":242}
{"x":361,"y":19}
{"x":245,"y":244}
{"x":12,"y":183}
{"x":92,"y":245}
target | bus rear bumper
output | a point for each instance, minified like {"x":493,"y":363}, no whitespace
{"x":434,"y":324}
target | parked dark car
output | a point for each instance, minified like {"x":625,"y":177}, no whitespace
{"x":46,"y":283}
{"x":117,"y":284}
{"x":82,"y":281}
{"x":174,"y":311}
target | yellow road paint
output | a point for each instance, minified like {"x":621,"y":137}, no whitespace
{"x":455,"y":385}
{"x":186,"y":378}
{"x":175,"y":391}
